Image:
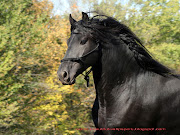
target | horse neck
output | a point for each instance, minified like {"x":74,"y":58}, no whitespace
{"x":116,"y":66}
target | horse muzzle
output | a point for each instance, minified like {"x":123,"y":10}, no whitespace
{"x":68,"y":71}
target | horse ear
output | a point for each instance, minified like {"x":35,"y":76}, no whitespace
{"x":71,"y":20}
{"x":85,"y":17}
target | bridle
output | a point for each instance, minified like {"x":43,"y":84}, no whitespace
{"x":81,"y":61}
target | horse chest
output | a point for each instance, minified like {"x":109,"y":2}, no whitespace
{"x":113,"y":108}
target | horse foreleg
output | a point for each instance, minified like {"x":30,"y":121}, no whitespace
{"x":95,"y":116}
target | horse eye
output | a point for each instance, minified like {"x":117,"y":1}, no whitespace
{"x":84,"y":41}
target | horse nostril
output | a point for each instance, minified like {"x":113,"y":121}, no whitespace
{"x":64,"y":74}
{"x":65,"y":77}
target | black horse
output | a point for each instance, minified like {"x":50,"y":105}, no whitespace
{"x":133,"y":91}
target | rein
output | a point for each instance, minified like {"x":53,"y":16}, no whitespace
{"x":80,"y":60}
{"x":86,"y":77}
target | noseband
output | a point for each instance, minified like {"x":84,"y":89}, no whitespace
{"x":80,"y":60}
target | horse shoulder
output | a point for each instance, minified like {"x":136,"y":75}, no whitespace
{"x":169,"y":109}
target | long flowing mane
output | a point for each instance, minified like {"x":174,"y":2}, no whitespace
{"x":101,"y":27}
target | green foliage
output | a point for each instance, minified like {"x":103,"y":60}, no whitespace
{"x":10,"y":38}
{"x":6,"y":113}
{"x":168,"y":54}
{"x":156,"y":21}
{"x":32,"y":101}
{"x":21,"y":30}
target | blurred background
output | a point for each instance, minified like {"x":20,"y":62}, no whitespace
{"x":33,"y":36}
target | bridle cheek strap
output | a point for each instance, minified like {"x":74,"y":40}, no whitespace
{"x":80,"y":59}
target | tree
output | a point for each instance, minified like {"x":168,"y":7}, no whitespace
{"x":32,"y":99}
{"x":158,"y":20}
{"x":13,"y":42}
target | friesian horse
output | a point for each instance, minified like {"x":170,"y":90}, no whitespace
{"x":134,"y":92}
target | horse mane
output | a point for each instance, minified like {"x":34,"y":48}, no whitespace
{"x":101,"y":25}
